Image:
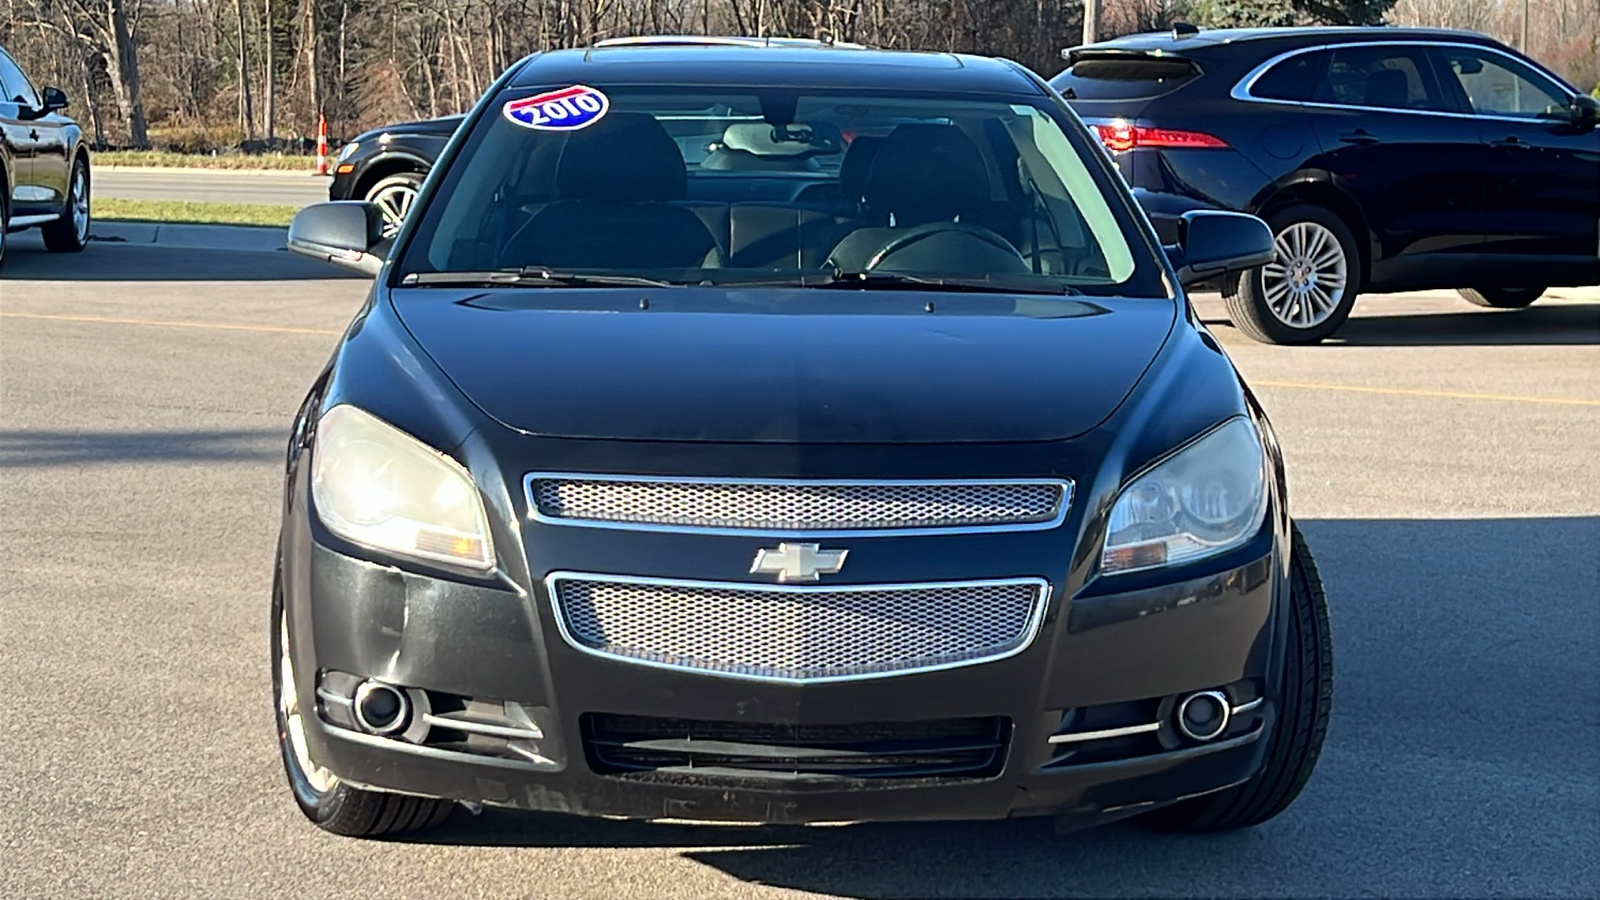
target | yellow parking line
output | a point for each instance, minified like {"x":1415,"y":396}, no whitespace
{"x":1411,"y":392}
{"x":167,"y":323}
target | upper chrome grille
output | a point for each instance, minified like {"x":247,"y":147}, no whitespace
{"x":797,"y":507}
{"x":798,"y":634}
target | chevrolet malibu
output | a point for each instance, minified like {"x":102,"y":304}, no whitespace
{"x":756,"y":431}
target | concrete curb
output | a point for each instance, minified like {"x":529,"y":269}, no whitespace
{"x":191,"y":237}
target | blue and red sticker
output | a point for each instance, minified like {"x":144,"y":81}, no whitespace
{"x":568,"y":109}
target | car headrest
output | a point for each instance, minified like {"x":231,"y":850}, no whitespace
{"x":624,"y":156}
{"x":856,"y":165}
{"x":1387,"y":88}
{"x":926,"y":173}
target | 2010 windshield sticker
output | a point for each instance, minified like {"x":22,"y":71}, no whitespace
{"x":565,"y":110}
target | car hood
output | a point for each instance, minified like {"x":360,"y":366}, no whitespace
{"x":443,"y":125}
{"x":788,"y":366}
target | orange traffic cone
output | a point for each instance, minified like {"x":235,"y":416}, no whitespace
{"x":322,"y":145}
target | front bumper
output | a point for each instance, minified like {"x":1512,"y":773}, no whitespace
{"x":1116,"y":655}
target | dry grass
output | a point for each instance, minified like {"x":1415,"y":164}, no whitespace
{"x":190,"y":212}
{"x":123,"y":158}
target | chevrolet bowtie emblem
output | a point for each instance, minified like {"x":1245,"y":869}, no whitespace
{"x":798,"y":562}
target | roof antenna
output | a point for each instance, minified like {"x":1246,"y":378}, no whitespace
{"x":1182,"y":30}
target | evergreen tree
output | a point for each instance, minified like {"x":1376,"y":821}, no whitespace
{"x":1266,"y":13}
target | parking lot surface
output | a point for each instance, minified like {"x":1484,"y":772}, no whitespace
{"x":1442,"y":461}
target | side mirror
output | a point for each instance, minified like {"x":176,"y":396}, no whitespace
{"x":54,"y":98}
{"x":1214,"y":243}
{"x":1585,"y":111}
{"x":345,"y":233}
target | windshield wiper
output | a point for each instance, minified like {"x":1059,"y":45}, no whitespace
{"x":840,"y":279}
{"x":531,"y":276}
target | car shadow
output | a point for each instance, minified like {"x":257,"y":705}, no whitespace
{"x":1463,"y":708}
{"x":34,"y":448}
{"x":117,"y":261}
{"x":1564,"y":324}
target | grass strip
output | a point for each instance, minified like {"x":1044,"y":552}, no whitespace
{"x":193,"y":212}
{"x":117,"y":158}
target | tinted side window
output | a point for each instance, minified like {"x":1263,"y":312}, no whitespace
{"x":1293,"y":79}
{"x":17,"y":88}
{"x":1385,"y":77}
{"x":1497,"y":86}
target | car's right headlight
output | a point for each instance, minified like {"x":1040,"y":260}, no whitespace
{"x":1206,"y":499}
{"x":348,"y":150}
{"x":375,"y":485}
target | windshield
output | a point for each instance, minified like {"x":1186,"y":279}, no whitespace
{"x":588,"y":186}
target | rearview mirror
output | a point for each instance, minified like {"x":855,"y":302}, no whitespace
{"x":1215,"y":243}
{"x":1585,"y":111}
{"x":344,"y":232}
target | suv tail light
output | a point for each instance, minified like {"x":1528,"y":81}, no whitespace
{"x":1120,"y":136}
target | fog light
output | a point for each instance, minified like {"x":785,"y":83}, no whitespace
{"x":381,"y":708}
{"x":1203,"y":716}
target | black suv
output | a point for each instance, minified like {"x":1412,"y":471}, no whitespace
{"x":1383,"y":159}
{"x":44,"y":167}
{"x":386,"y":166}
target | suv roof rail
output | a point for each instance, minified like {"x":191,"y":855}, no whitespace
{"x":713,"y":40}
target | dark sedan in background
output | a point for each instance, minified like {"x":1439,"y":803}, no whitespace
{"x":1383,"y":159}
{"x":44,"y":166}
{"x":386,"y":166}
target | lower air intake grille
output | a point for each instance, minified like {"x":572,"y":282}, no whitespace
{"x":800,"y":634}
{"x":967,"y":748}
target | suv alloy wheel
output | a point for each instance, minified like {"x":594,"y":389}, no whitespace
{"x":1308,"y":292}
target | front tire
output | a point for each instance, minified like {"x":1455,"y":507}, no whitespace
{"x":394,"y":196}
{"x":1501,"y":298}
{"x":70,"y":233}
{"x":1305,"y":294}
{"x":5,"y":218}
{"x":333,"y":805}
{"x":1301,"y":724}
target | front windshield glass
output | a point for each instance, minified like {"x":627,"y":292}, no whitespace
{"x":584,"y":185}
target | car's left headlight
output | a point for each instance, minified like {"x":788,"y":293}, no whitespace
{"x":1205,"y":499}
{"x":348,"y":150}
{"x":375,"y":485}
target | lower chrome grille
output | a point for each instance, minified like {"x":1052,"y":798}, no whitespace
{"x":970,"y":748}
{"x":798,"y":634}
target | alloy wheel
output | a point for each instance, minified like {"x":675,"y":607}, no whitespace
{"x":1308,"y":280}
{"x":394,"y":201}
{"x":80,"y":204}
{"x":294,"y":725}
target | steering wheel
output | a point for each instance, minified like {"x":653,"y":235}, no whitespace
{"x":994,"y":251}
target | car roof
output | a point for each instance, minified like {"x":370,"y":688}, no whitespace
{"x":754,"y":63}
{"x":1278,"y":39}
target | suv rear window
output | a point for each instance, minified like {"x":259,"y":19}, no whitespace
{"x":1125,"y":78}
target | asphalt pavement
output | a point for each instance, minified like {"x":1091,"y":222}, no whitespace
{"x":211,"y":185}
{"x":1442,"y":462}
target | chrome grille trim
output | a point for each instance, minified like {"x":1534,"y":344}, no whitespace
{"x":780,"y":507}
{"x":697,"y":616}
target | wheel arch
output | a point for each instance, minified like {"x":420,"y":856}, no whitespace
{"x":1318,"y":190}
{"x":384,"y":166}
